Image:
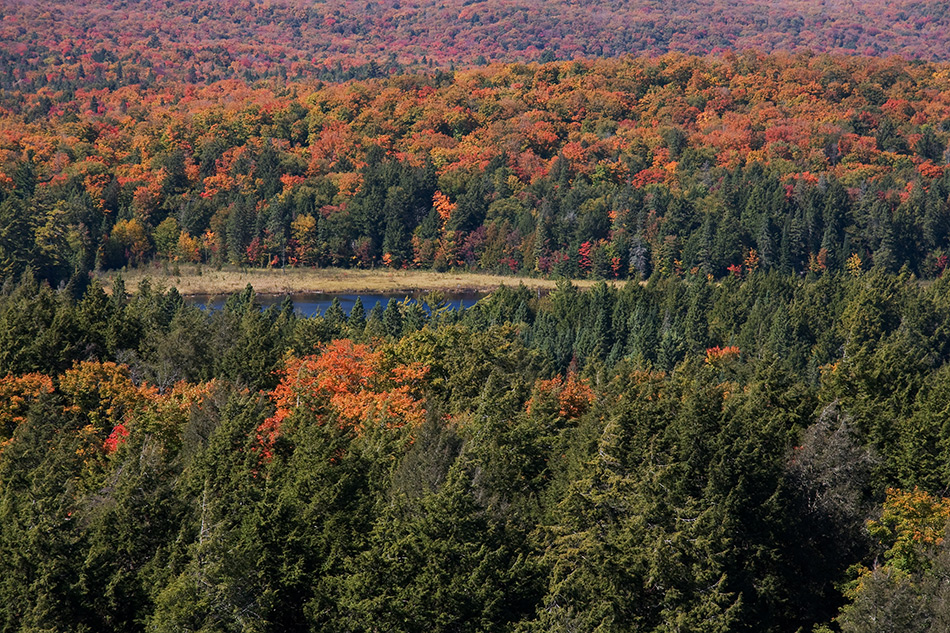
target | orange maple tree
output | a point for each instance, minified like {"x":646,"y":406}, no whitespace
{"x":357,"y":382}
{"x":573,"y":395}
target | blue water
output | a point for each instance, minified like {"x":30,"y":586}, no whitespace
{"x":311,"y":303}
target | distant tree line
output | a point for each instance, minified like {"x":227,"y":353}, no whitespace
{"x":613,"y":169}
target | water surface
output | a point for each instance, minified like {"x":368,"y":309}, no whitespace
{"x":312,"y":303}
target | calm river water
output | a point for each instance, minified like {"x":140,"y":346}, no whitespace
{"x":311,"y":303}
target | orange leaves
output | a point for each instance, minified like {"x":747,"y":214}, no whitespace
{"x":289,"y":181}
{"x":911,"y":520}
{"x":104,"y":392}
{"x":335,"y":143}
{"x":575,"y":398}
{"x":717,"y":356}
{"x":345,"y":367}
{"x":571,"y":397}
{"x":215,"y":183}
{"x":347,"y":183}
{"x":576,"y":153}
{"x":929,"y":170}
{"x":16,"y":393}
{"x":751,"y":261}
{"x":538,"y":131}
{"x":444,"y":206}
{"x":104,"y":402}
{"x":913,"y":514}
{"x":360,"y":385}
{"x":357,"y":382}
{"x":110,"y":406}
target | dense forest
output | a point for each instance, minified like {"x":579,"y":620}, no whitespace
{"x":128,"y":41}
{"x":605,"y":169}
{"x":763,"y":454}
{"x":742,"y":426}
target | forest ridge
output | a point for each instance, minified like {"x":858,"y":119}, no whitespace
{"x":204,"y":40}
{"x":601,"y":168}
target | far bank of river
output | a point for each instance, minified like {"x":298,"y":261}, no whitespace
{"x":193,"y":280}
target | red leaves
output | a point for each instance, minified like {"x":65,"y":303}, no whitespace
{"x":648,"y":177}
{"x":118,"y":435}
{"x":105,"y":404}
{"x":942,"y":262}
{"x":583,"y":254}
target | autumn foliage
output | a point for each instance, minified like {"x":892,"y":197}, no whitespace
{"x":116,"y":437}
{"x":355,"y":383}
{"x":770,"y":175}
{"x":104,"y":402}
{"x":100,"y":42}
{"x":601,"y":168}
{"x":538,"y":444}
{"x":16,"y":395}
{"x":572,"y":396}
{"x":104,"y":394}
{"x":912,"y":520}
{"x":716,"y":356}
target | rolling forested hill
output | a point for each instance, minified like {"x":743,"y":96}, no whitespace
{"x":752,"y":434}
{"x":609,"y":169}
{"x":209,"y":40}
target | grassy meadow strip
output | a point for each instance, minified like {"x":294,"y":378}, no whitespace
{"x":192,"y":280}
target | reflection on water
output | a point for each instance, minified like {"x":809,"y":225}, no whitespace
{"x":313,"y":303}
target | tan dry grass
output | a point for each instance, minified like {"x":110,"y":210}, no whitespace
{"x":192,"y":281}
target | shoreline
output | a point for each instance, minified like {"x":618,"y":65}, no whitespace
{"x":194,"y":280}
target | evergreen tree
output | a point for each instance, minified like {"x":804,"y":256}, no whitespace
{"x":16,"y":237}
{"x":357,"y":320}
{"x":392,"y":318}
{"x":334,"y":313}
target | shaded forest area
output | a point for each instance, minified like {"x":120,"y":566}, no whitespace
{"x":683,"y":455}
{"x":605,"y":169}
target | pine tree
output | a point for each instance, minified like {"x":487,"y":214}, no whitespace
{"x":375,"y":327}
{"x":334,"y":314}
{"x":396,"y":237}
{"x":16,"y":237}
{"x":414,"y":317}
{"x":357,"y":321}
{"x":392,"y":318}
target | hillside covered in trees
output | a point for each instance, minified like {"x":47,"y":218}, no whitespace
{"x":611,"y":169}
{"x":747,"y":431}
{"x":127,"y":41}
{"x":682,"y":455}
